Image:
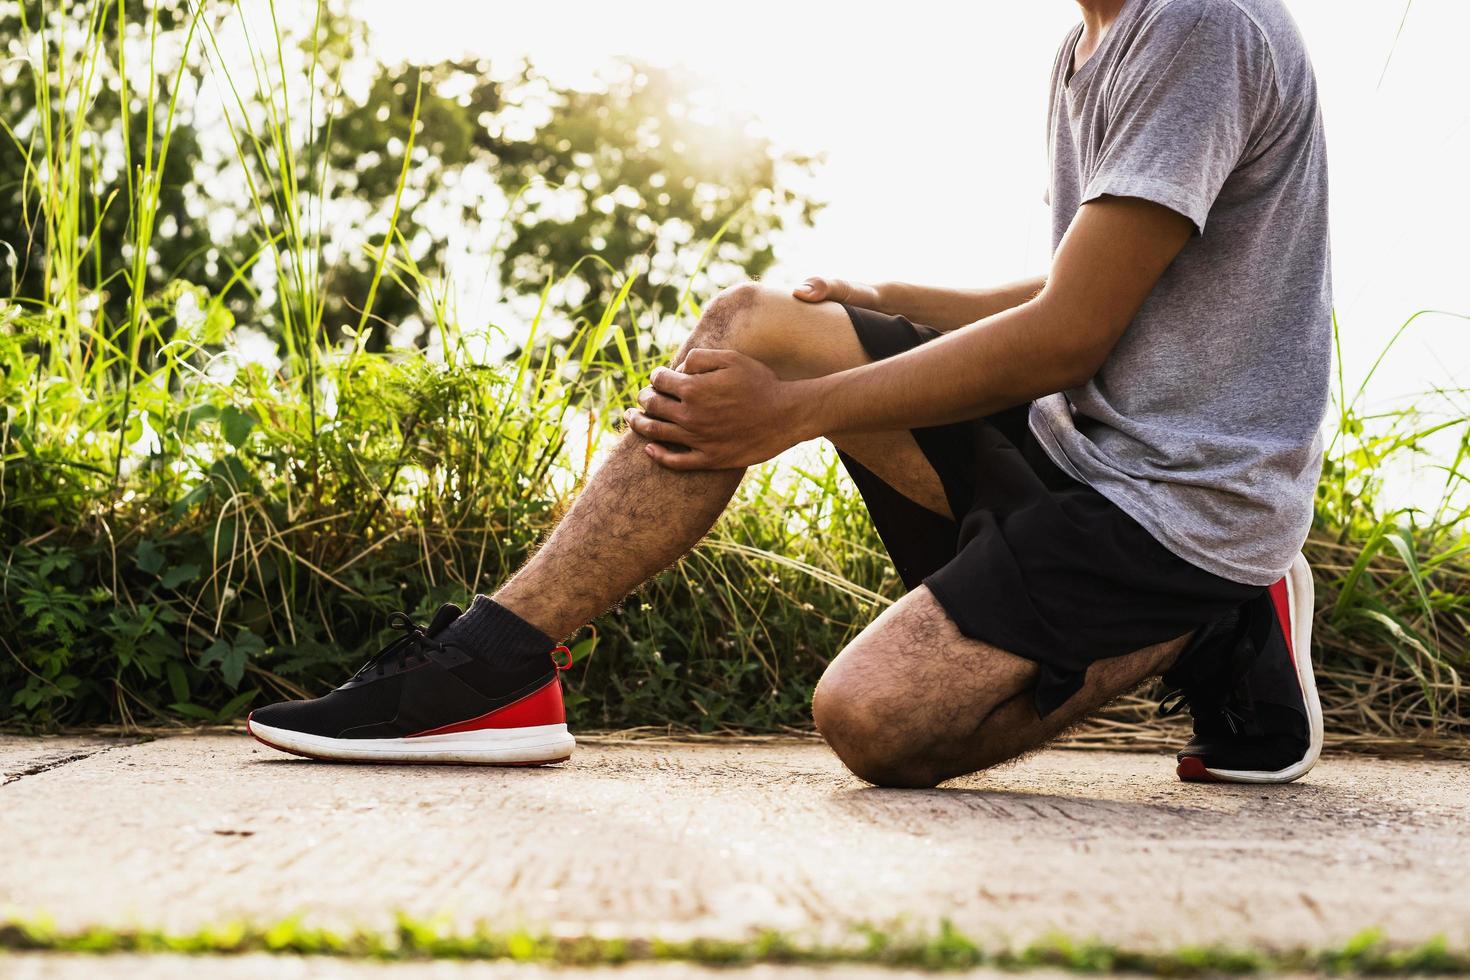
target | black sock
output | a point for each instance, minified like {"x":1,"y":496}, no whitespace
{"x":493,"y":633}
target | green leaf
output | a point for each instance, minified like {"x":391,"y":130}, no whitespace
{"x":235,"y":425}
{"x":232,"y":656}
{"x":251,"y":644}
{"x":231,"y":472}
{"x":178,"y":682}
{"x":191,"y":417}
{"x":235,"y":704}
{"x":583,"y":648}
{"x":214,"y":652}
{"x":193,"y":711}
{"x":1403,"y":542}
{"x":232,"y":667}
{"x":1348,"y":589}
{"x":53,"y":562}
{"x":222,"y":540}
{"x":218,"y":321}
{"x":148,"y":556}
{"x":178,"y":575}
{"x":188,"y":501}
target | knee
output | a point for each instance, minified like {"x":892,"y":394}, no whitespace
{"x":733,"y":320}
{"x":877,"y":739}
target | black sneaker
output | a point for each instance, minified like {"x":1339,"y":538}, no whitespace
{"x":420,"y":700}
{"x":1248,"y":682}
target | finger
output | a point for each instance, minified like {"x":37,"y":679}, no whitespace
{"x":655,"y":429}
{"x":703,"y":359}
{"x":670,"y":382}
{"x":814,"y":290}
{"x":660,"y":406}
{"x":837,"y":290}
{"x":687,"y":459}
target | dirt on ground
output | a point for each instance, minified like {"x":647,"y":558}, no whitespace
{"x":718,"y":840}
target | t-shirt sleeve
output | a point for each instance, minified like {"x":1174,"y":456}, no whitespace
{"x":1182,"y":107}
{"x":1059,"y":65}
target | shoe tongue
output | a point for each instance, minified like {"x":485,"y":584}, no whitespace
{"x":447,"y":614}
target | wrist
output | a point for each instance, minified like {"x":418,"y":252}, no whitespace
{"x":806,"y":407}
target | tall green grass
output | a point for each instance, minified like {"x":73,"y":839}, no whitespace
{"x":186,"y":534}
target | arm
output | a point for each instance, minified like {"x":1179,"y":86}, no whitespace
{"x":731,"y":410}
{"x":940,"y":307}
{"x":1104,"y":269}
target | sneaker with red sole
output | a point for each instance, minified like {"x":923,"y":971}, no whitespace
{"x":421,"y":700}
{"x":1248,"y":682}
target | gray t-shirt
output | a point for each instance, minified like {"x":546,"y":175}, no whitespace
{"x":1204,"y":422}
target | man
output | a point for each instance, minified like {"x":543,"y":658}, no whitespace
{"x":1086,"y":479}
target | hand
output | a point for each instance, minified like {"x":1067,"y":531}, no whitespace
{"x":817,"y":288}
{"x":719,"y":409}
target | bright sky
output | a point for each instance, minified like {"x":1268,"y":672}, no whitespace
{"x":931,"y":115}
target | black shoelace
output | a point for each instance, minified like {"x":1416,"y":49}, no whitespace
{"x":1227,"y":709}
{"x":414,"y":645}
{"x":1213,"y":686}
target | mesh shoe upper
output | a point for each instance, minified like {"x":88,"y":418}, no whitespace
{"x":414,"y":685}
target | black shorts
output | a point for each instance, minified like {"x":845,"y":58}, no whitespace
{"x":1037,"y":563}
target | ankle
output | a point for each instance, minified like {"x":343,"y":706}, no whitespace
{"x":490,"y":630}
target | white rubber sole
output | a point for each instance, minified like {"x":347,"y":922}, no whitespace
{"x":1300,"y":594}
{"x":535,"y":746}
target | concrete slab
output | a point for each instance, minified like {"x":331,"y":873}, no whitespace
{"x":678,"y":840}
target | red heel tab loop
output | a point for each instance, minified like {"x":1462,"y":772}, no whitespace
{"x":559,"y":664}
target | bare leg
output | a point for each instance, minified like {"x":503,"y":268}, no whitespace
{"x":635,"y":518}
{"x":913,"y":702}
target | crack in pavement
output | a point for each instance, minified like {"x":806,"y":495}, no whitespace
{"x":56,"y":762}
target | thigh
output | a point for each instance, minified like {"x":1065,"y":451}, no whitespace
{"x":896,"y":459}
{"x":912,"y":701}
{"x":1014,"y":727}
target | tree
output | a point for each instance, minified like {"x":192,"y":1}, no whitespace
{"x":652,"y":172}
{"x":640,"y":174}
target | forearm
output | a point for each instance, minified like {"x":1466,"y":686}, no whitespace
{"x":946,"y":309}
{"x":1103,"y":271}
{"x":723,"y":409}
{"x":1004,"y":360}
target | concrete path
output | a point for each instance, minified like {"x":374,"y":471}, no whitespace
{"x":679,"y":840}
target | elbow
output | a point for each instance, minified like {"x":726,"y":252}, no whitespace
{"x":1078,"y":340}
{"x":1077,"y":367}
